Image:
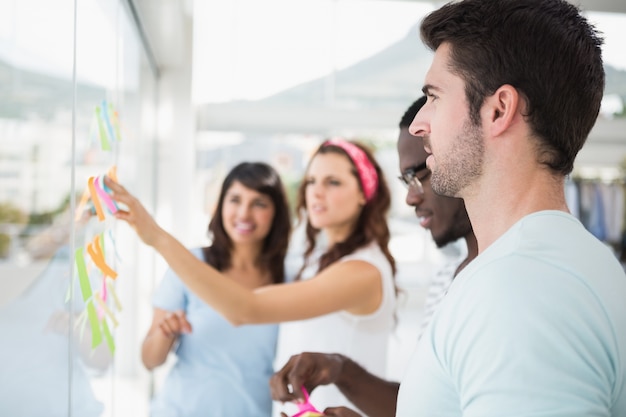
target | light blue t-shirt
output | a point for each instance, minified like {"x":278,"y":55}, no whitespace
{"x":221,"y":370}
{"x":534,"y":326}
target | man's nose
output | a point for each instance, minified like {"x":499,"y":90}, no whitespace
{"x":419,"y":126}
{"x":414,"y":198}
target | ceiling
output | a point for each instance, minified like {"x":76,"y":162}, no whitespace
{"x":166,"y":26}
{"x":164,"y":23}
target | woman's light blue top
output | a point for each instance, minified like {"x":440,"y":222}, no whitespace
{"x":221,"y":370}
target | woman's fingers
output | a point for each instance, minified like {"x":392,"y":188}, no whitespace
{"x":172,"y":325}
{"x":120,"y":194}
{"x":118,"y":189}
{"x":184,"y":325}
{"x":167,"y":329}
{"x":135,"y":215}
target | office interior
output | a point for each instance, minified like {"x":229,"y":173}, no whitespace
{"x":167,"y":96}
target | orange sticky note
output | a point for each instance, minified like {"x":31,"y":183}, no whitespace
{"x":97,"y":256}
{"x":112,"y":173}
{"x":94,"y":199}
{"x":81,"y":205}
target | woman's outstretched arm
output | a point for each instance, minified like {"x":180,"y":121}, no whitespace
{"x":354,"y":285}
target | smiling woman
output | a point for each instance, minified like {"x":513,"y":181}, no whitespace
{"x":349,"y":274}
{"x":250,"y":232}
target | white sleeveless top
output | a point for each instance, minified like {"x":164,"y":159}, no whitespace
{"x":362,"y":338}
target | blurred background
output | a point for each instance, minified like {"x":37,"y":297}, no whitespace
{"x":172,"y":94}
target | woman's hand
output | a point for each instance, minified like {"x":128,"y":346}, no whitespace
{"x":166,"y":328}
{"x":175,"y":324}
{"x":136,"y":215}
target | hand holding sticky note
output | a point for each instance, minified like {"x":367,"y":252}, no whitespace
{"x":306,"y":409}
{"x":98,"y":194}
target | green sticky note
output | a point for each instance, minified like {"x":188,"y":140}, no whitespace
{"x":83,"y":278}
{"x":96,"y":334}
{"x":104,"y":140}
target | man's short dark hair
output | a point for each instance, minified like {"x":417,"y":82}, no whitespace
{"x":544,"y":48}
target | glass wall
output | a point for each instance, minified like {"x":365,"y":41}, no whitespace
{"x":77,"y":101}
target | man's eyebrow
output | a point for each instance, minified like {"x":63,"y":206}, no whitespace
{"x":428,"y":87}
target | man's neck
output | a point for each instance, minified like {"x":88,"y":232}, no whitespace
{"x":472,"y":252}
{"x":498,"y":208}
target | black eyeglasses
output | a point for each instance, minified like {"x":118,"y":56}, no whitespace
{"x":410,"y":180}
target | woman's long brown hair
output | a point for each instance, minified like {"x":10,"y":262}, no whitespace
{"x":370,"y":226}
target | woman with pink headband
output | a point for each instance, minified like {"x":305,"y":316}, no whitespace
{"x":343,"y":298}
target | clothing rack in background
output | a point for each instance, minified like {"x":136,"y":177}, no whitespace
{"x":600,"y":204}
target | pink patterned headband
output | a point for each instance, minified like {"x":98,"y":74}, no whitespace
{"x":365,"y":168}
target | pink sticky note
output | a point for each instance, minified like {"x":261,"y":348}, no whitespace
{"x":104,"y":196}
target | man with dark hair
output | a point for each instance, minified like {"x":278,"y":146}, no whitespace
{"x":447,"y":220}
{"x":536,"y":324}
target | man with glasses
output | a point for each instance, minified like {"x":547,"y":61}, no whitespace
{"x":447,"y":220}
{"x":445,"y":217}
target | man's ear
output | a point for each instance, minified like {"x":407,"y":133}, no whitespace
{"x":501,"y":109}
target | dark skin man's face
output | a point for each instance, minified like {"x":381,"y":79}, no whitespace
{"x":445,"y":217}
